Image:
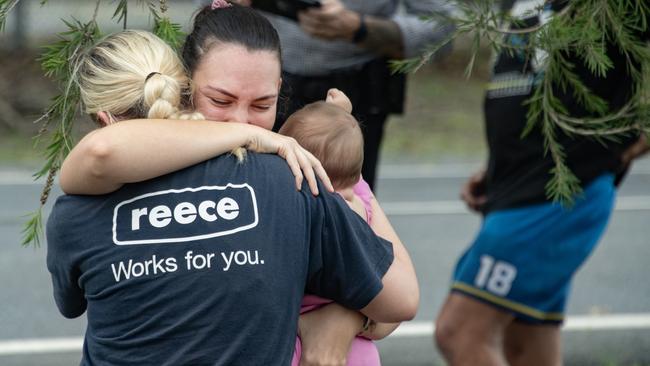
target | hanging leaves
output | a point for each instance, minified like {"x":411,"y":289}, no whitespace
{"x":59,"y":62}
{"x":583,"y":27}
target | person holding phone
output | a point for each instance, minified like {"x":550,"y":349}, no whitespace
{"x":345,"y":44}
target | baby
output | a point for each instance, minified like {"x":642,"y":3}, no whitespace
{"x":329,"y":131}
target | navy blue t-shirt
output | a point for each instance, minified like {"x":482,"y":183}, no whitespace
{"x":208,"y":265}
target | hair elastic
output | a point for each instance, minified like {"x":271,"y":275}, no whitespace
{"x":150,"y":75}
{"x":219,"y":4}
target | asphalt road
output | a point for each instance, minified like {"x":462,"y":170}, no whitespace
{"x":422,"y":204}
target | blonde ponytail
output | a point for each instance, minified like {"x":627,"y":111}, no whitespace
{"x":162,"y":96}
{"x":132,"y":74}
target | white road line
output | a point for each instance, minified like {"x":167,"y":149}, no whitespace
{"x":386,"y":172}
{"x":42,"y":345}
{"x":18,"y":178}
{"x":577,"y":323}
{"x":623,"y":203}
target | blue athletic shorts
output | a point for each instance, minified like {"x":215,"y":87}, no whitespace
{"x":523,"y":259}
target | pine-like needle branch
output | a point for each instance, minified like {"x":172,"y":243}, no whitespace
{"x":5,"y":7}
{"x":59,"y":62}
{"x":583,"y":28}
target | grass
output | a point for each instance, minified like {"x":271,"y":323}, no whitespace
{"x":443,"y":120}
{"x":16,"y":149}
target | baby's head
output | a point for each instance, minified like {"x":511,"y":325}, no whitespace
{"x":333,"y":135}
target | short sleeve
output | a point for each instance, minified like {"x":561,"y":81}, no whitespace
{"x":68,"y":295}
{"x":347,"y":261}
{"x":417,"y":32}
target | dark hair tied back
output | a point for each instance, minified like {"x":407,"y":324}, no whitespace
{"x":239,"y":25}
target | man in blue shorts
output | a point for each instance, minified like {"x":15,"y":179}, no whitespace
{"x":510,"y":287}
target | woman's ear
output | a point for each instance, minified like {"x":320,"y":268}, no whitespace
{"x":104,"y":119}
{"x":279,"y":85}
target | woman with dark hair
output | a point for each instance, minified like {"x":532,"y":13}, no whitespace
{"x":233,"y":58}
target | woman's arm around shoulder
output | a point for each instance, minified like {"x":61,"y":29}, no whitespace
{"x":137,"y":150}
{"x":400,"y":297}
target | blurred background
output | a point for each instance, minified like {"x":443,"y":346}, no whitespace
{"x":427,"y":154}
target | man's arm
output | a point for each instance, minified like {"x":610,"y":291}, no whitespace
{"x":405,"y":34}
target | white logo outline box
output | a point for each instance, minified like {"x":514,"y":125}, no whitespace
{"x":190,"y":238}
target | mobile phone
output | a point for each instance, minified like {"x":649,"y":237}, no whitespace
{"x":285,"y":8}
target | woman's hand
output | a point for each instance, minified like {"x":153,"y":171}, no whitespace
{"x":327,"y":333}
{"x":302,"y":163}
{"x":473,"y":191}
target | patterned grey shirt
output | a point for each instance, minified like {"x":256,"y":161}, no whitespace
{"x":309,"y":56}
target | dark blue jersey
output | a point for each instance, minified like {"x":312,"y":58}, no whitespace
{"x":208,"y":265}
{"x":519,"y":167}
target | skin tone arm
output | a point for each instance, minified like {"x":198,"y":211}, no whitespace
{"x":379,"y":224}
{"x":638,"y":149}
{"x":327,"y":342}
{"x":473,"y":191}
{"x":137,"y":150}
{"x":334,"y":21}
{"x":398,"y":300}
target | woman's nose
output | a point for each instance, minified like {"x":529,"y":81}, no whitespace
{"x":239,"y":115}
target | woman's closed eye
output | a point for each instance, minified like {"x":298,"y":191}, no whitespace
{"x":220,"y":102}
{"x":262,"y":107}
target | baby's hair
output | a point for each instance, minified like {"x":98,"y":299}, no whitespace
{"x":333,"y":136}
{"x":134,"y":74}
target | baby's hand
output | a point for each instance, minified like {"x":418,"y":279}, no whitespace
{"x":339,"y":98}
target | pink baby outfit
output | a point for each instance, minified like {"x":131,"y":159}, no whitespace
{"x":363,"y":352}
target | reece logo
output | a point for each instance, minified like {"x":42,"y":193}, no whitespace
{"x":180,"y":215}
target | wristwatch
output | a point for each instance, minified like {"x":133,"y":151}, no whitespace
{"x":362,"y":32}
{"x":366,"y":324}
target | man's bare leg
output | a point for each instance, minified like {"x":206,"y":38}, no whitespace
{"x":533,"y":345}
{"x":470,"y":332}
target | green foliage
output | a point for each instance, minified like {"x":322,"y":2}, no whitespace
{"x":5,"y":8}
{"x":169,"y":32}
{"x":33,"y":229}
{"x":582,"y":28}
{"x":121,"y":12}
{"x":59,"y":62}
